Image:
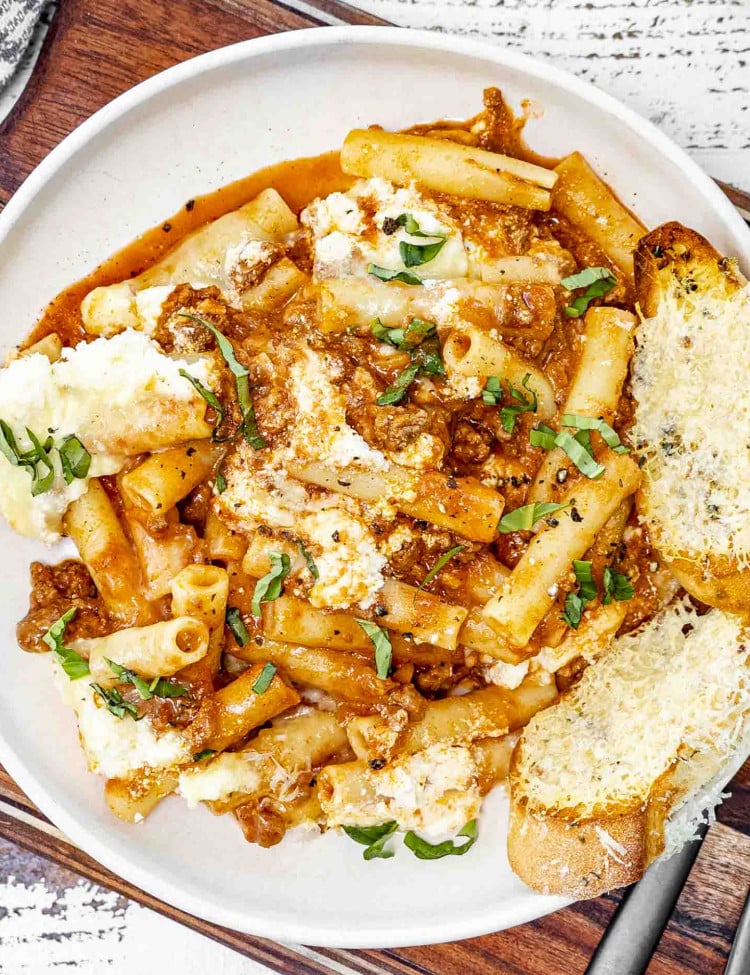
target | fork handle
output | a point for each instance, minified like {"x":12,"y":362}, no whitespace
{"x":738,"y":962}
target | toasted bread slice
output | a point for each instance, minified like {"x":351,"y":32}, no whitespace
{"x":692,"y":413}
{"x":597,"y":779}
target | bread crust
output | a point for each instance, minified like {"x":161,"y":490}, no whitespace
{"x":556,"y":855}
{"x":716,"y":581}
{"x":672,"y":253}
{"x":554,"y":851}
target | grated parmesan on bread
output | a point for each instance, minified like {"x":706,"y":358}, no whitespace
{"x":692,"y":413}
{"x":600,"y":779}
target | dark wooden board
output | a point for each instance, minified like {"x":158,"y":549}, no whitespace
{"x":696,"y":941}
{"x":94,"y":51}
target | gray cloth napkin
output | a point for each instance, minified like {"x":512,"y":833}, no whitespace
{"x":17,"y":21}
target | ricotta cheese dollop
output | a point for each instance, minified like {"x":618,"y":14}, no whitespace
{"x":348,"y":232}
{"x":98,"y":391}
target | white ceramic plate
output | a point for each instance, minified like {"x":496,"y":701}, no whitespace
{"x":185,"y":132}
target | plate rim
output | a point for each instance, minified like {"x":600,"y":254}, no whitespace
{"x":153,"y":882}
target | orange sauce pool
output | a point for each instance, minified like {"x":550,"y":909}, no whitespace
{"x":299,"y":181}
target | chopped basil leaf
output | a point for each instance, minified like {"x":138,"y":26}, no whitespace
{"x":493,"y":391}
{"x":410,"y":225}
{"x":420,"y":340}
{"x":202,"y":756}
{"x":585,"y":277}
{"x":236,"y":625}
{"x":609,"y":436}
{"x":388,"y":274}
{"x":368,"y":834}
{"x":265,"y":677}
{"x":213,"y":400}
{"x":249,"y":423}
{"x":584,"y":439}
{"x":579,"y":455}
{"x":220,"y":483}
{"x":573,"y":610}
{"x":161,"y":687}
{"x":8,"y":445}
{"x":435,"y":851}
{"x":416,"y":332}
{"x":71,"y":662}
{"x":414,"y":255}
{"x":378,"y":850}
{"x":525,"y":517}
{"x":269,"y":587}
{"x":587,"y":588}
{"x":577,"y":447}
{"x":440,"y":564}
{"x":74,"y":459}
{"x":542,"y":436}
{"x":575,"y":602}
{"x":382,"y":644}
{"x":54,"y":635}
{"x":396,"y":392}
{"x":308,"y":558}
{"x":242,"y":382}
{"x":158,"y":687}
{"x":425,"y":357}
{"x":115,"y":703}
{"x":581,"y":303}
{"x":130,"y":677}
{"x":225,"y":346}
{"x":509,"y":414}
{"x":429,"y":358}
{"x":404,"y":339}
{"x":617,"y":586}
{"x":40,"y":455}
{"x":597,"y":281}
{"x":390,"y":335}
{"x":374,"y":838}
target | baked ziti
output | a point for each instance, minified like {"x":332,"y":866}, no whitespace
{"x":343,"y":451}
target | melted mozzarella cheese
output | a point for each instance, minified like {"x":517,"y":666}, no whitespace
{"x":96,"y":391}
{"x":346,"y":554}
{"x":507,"y":675}
{"x":228,"y":773}
{"x":335,"y":527}
{"x":465,"y":387}
{"x":117,"y":747}
{"x":350,"y":566}
{"x":423,"y":453}
{"x":262,"y":494}
{"x":692,"y":417}
{"x":434,"y":791}
{"x":348,"y":231}
{"x":149,"y":304}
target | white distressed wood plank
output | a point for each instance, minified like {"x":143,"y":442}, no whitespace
{"x":53,"y":921}
{"x":685,"y":64}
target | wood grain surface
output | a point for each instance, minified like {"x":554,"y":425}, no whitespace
{"x":696,"y":941}
{"x":93,"y":52}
